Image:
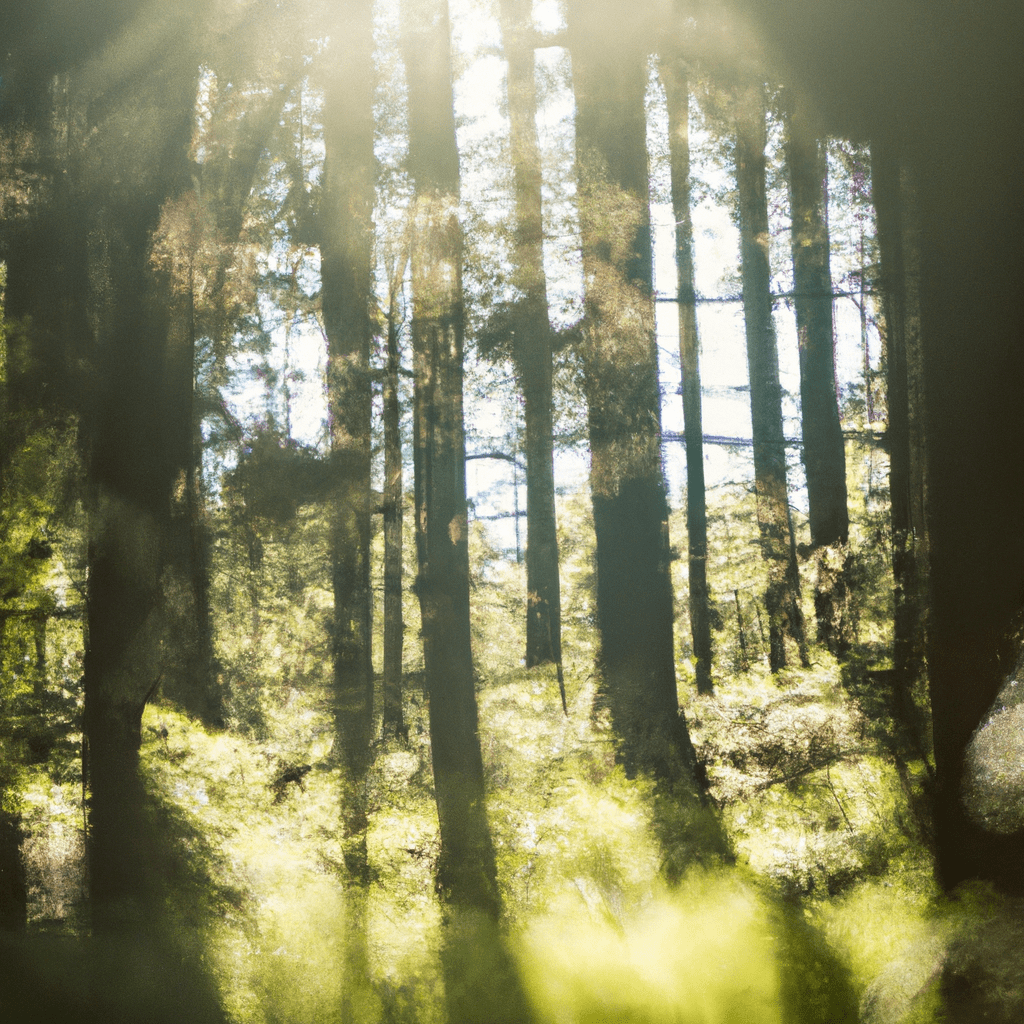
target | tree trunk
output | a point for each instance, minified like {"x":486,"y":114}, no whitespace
{"x":190,"y":678}
{"x":532,"y":345}
{"x":782,"y":598}
{"x":346,"y":251}
{"x":634,"y":587}
{"x":394,"y":627}
{"x":892,"y":196}
{"x":131,"y":464}
{"x":971,"y":325}
{"x":466,"y":869}
{"x":227,"y":174}
{"x":674,"y":78}
{"x":13,"y":889}
{"x":824,"y":451}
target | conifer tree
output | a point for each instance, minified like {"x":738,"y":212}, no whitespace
{"x":466,"y":874}
{"x":634,"y":588}
{"x":532,"y":344}
{"x":893,"y":198}
{"x":346,"y":261}
{"x":466,"y":869}
{"x":782,"y":598}
{"x":394,"y":496}
{"x":674,"y":79}
{"x":131,"y":469}
{"x":824,"y":452}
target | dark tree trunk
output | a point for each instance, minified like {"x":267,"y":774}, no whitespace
{"x":532,"y":345}
{"x":972,"y":266}
{"x":892,"y":195}
{"x":346,"y":246}
{"x":480,"y":980}
{"x":227,"y":174}
{"x":824,"y":452}
{"x":634,"y":587}
{"x":394,"y":627}
{"x":131,"y":464}
{"x":674,"y":78}
{"x":190,"y":678}
{"x":782,"y":599}
{"x":346,"y":249}
{"x":13,"y":889}
{"x":466,"y":868}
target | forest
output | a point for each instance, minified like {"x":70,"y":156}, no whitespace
{"x":511,"y":511}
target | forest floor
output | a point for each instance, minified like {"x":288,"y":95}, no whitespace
{"x":812,"y":804}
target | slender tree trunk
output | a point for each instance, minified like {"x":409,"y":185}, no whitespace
{"x":480,"y":980}
{"x":466,"y":869}
{"x":227,"y":174}
{"x":634,"y":587}
{"x":346,"y":249}
{"x":190,"y":678}
{"x":782,"y":599}
{"x":394,"y":628}
{"x":533,"y":345}
{"x":824,"y":451}
{"x":13,"y":888}
{"x":674,"y":78}
{"x":892,"y":196}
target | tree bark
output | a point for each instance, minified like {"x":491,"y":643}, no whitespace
{"x":466,"y":870}
{"x":346,"y":246}
{"x":892,"y":195}
{"x":480,"y":979}
{"x":634,"y":588}
{"x":346,"y":267}
{"x":394,"y":496}
{"x":824,"y":452}
{"x":971,"y":325}
{"x":782,"y":598}
{"x":190,"y":678}
{"x":674,"y":79}
{"x":139,"y":164}
{"x":532,"y":344}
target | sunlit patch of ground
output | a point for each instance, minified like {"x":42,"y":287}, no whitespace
{"x":598,"y":932}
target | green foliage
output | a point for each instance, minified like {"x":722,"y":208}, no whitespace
{"x":810,"y":798}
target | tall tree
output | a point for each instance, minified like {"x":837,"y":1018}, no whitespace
{"x":634,"y":587}
{"x":824,"y":451}
{"x":677,"y":95}
{"x":346,"y":262}
{"x":532,"y":343}
{"x":965,"y":148}
{"x":480,"y":980}
{"x":466,"y":867}
{"x":137,"y":182}
{"x":394,"y":496}
{"x":782,"y":598}
{"x":893,"y":197}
